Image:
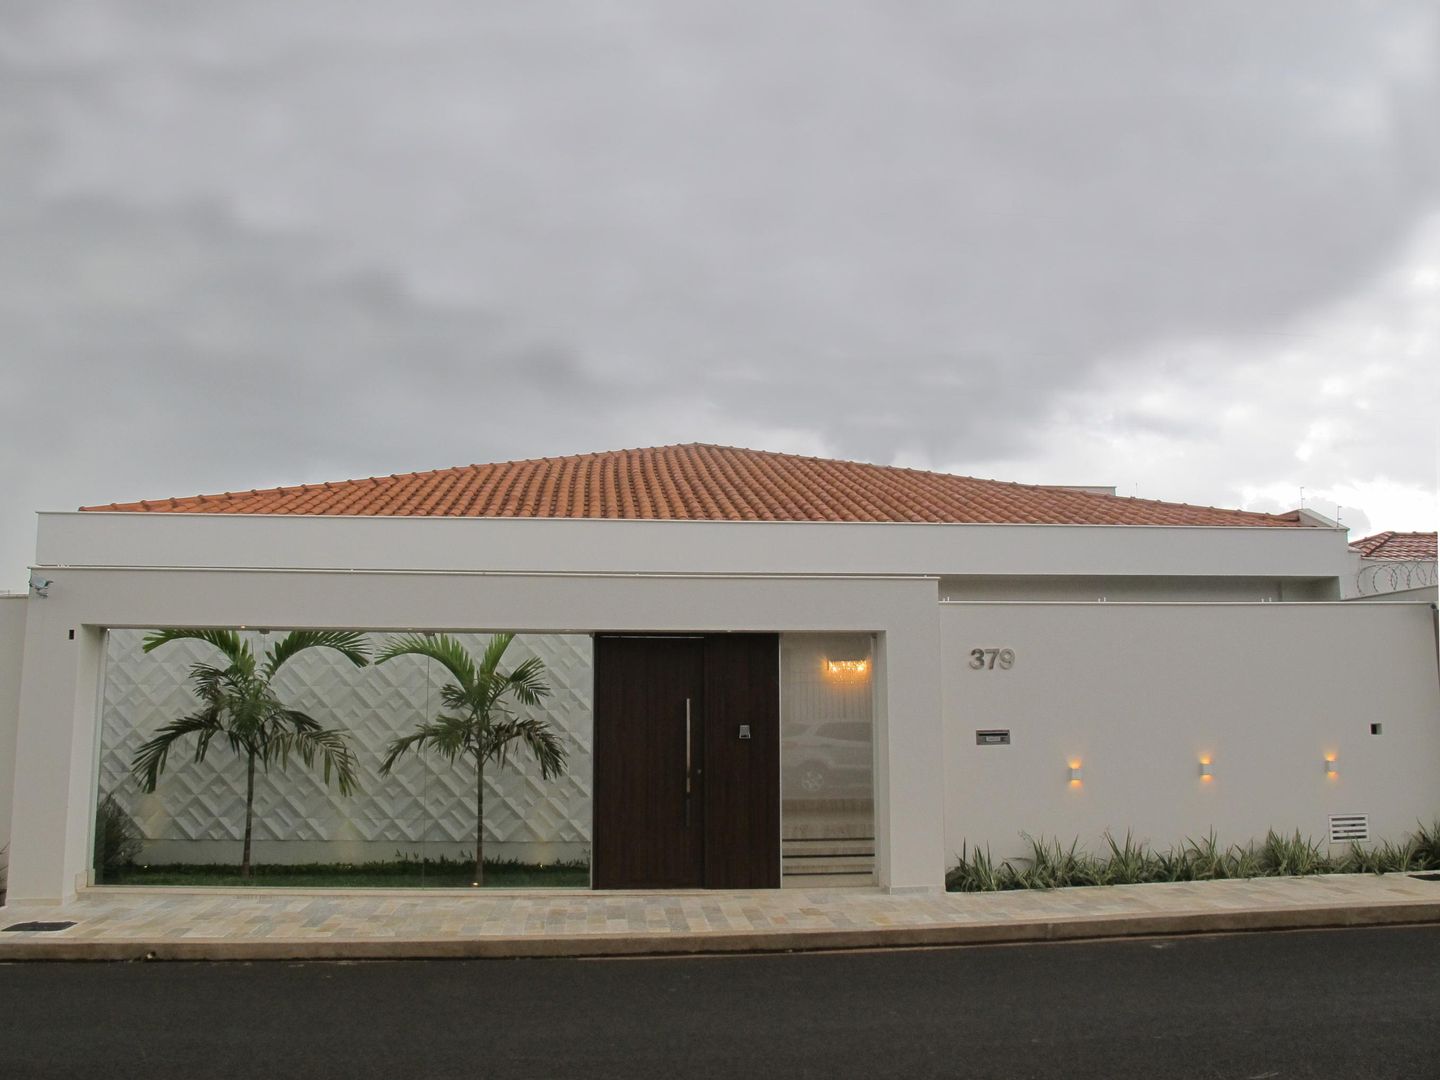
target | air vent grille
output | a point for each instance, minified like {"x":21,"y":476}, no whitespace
{"x":1347,"y":827}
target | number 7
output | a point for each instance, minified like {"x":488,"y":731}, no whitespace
{"x":992,"y":654}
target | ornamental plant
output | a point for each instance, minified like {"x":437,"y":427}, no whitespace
{"x":239,"y":706}
{"x":479,"y":722}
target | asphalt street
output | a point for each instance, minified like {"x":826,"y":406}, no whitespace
{"x":1341,"y":1004}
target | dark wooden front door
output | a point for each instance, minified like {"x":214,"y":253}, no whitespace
{"x":649,"y":722}
{"x":687,"y":761}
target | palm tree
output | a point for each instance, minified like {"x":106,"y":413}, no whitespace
{"x":477,"y":723}
{"x":238,"y":704}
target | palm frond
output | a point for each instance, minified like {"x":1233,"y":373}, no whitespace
{"x":239,"y":743}
{"x":235,"y":648}
{"x":348,"y":643}
{"x":296,"y":719}
{"x":149,"y":760}
{"x":451,"y":736}
{"x":455,"y":696}
{"x":441,"y":648}
{"x":330,"y":745}
{"x":535,"y":734}
{"x":494,"y":650}
{"x":527,"y":682}
{"x":202,"y":742}
{"x":274,"y":741}
{"x":209,"y":681}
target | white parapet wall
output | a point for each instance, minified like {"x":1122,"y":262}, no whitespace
{"x":1277,"y":699}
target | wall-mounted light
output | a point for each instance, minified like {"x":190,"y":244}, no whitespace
{"x":1077,"y":774}
{"x":1330,"y":769}
{"x":1207,"y":769}
{"x":846,"y":667}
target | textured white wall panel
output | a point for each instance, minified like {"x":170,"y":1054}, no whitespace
{"x":425,"y":799}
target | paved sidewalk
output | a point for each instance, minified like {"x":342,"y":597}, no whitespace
{"x":196,"y":924}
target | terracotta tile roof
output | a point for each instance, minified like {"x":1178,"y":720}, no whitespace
{"x":699,"y":481}
{"x":1396,"y":545}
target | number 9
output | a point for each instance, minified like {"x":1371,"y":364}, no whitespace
{"x":1007,"y":658}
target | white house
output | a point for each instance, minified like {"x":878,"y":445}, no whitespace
{"x":1392,"y":566}
{"x":755,"y":655}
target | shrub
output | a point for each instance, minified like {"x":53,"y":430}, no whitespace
{"x":1049,"y":865}
{"x":1427,"y":845}
{"x":1173,"y":865}
{"x":1396,"y":858}
{"x":117,"y":839}
{"x":1205,"y":860}
{"x":1291,"y":856}
{"x":1052,"y":867}
{"x":1129,"y":863}
{"x":978,"y":874}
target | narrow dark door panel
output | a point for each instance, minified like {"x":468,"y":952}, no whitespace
{"x":648,"y":832}
{"x":742,"y":793}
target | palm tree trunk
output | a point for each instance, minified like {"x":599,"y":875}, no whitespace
{"x":479,"y":821}
{"x":249,"y":816}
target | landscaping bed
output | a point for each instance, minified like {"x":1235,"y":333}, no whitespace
{"x":1050,"y":865}
{"x":395,"y":874}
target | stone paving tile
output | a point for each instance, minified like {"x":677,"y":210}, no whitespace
{"x":117,"y":914}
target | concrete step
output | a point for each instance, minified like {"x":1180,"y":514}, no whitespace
{"x":827,"y":881}
{"x":823,"y":861}
{"x":828,"y":828}
{"x":827,"y":846}
{"x":827,"y":863}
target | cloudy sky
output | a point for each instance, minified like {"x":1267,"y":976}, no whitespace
{"x":1189,"y":250}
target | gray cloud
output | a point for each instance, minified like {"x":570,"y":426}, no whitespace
{"x":267,"y":243}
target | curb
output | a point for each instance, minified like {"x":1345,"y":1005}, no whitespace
{"x":722,"y":942}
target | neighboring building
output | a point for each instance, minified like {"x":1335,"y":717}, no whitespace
{"x":765,"y":664}
{"x":1393,"y":566}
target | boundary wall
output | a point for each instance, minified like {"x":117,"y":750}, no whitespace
{"x":1137,"y":696}
{"x":12,"y":655}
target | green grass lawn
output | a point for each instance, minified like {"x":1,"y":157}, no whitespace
{"x":400,"y":874}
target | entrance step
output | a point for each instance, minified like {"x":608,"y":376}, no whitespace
{"x":827,"y":881}
{"x":827,"y":845}
{"x":847,"y":819}
{"x":827,"y":861}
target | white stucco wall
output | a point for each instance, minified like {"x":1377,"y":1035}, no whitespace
{"x":62,"y":675}
{"x":529,"y":545}
{"x":1120,"y":587}
{"x":12,"y":649}
{"x":1139,"y":693}
{"x":140,"y":571}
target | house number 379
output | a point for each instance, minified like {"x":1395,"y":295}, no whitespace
{"x":990,"y":659}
